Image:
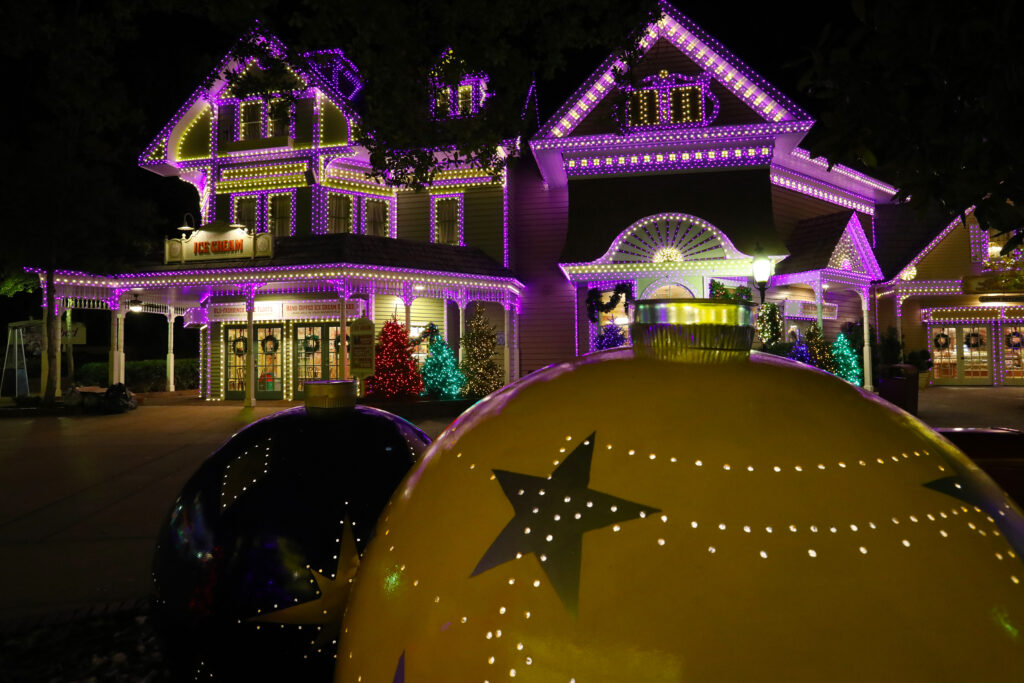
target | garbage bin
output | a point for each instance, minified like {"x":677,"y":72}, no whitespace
{"x":898,"y":385}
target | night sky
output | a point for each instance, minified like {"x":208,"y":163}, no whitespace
{"x":173,"y":54}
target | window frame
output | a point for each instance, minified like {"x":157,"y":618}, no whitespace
{"x":389,"y":219}
{"x":460,"y":199}
{"x":269,"y":199}
{"x":664,"y":87}
{"x":350,"y":228}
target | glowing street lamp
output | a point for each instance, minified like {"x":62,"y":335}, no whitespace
{"x":762,"y":267}
{"x":135,"y":305}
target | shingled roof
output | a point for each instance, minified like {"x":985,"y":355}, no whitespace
{"x":812,"y":242}
{"x":360,"y":250}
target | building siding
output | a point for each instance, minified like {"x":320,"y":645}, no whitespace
{"x":539,"y":218}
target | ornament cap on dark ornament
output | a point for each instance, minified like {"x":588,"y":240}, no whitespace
{"x":703,"y":331}
{"x":325,"y":398}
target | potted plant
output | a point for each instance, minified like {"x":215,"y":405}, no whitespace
{"x":922,"y":360}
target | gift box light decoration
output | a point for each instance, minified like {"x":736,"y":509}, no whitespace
{"x":649,"y":542}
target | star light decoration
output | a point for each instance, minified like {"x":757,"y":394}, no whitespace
{"x":326,"y":610}
{"x":551,"y":516}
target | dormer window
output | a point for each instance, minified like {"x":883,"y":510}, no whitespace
{"x":279,"y":120}
{"x":250,"y":125}
{"x":461,"y":100}
{"x":671,"y":100}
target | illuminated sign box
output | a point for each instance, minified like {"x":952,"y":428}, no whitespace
{"x":218,"y":245}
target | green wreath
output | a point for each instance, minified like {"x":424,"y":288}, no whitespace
{"x":941,"y":341}
{"x":1014,"y":340}
{"x":310,"y":344}
{"x":269,"y":344}
{"x":594,"y":305}
{"x":240,"y":345}
{"x":973,"y":340}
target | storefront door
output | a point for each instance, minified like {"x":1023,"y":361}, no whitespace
{"x":961,"y":354}
{"x":236,"y":345}
{"x":317,"y":354}
{"x":269,"y":362}
{"x":1013,"y":353}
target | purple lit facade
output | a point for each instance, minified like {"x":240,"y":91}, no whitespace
{"x":706,"y":174}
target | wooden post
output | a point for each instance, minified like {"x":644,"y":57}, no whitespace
{"x":170,"y":348}
{"x":508,"y":345}
{"x":342,"y":347}
{"x":250,"y":354}
{"x":868,"y":379}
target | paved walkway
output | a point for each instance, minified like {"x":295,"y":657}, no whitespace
{"x":81,"y":498}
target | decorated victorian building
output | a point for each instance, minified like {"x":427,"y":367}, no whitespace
{"x":654,"y":188}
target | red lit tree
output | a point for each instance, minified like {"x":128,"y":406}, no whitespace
{"x":395,"y":374}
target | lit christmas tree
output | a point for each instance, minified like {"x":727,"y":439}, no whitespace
{"x":800,"y":352}
{"x":611,"y":336}
{"x":482,"y":371}
{"x":441,"y":375}
{"x":395,"y":374}
{"x":769,"y":324}
{"x":821,"y":354}
{"x":848,"y":365}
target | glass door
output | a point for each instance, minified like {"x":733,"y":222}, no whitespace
{"x":236,"y":345}
{"x":269,"y":362}
{"x":1013,"y":353}
{"x":961,"y":354}
{"x":944,"y":362}
{"x":975,"y":356}
{"x":317,"y":354}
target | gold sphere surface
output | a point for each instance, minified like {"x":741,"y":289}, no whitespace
{"x":631,"y":519}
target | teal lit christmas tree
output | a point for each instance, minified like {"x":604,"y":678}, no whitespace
{"x":395,"y":374}
{"x":848,"y":365}
{"x":441,"y":375}
{"x":611,"y":336}
{"x":769,"y":324}
{"x":821,"y":354}
{"x":482,"y":371}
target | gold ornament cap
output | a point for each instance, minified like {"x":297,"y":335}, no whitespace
{"x":328,"y":397}
{"x":693,"y":330}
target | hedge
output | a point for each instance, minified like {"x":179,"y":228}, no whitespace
{"x":144,"y":375}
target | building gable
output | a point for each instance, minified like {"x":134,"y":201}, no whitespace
{"x":673,"y":42}
{"x":330,"y":74}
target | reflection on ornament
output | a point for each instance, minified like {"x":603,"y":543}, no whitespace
{"x":254,"y":563}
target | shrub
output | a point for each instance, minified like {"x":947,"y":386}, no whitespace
{"x":144,"y":375}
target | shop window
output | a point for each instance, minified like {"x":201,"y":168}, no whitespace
{"x":281,"y":215}
{"x":245,"y":212}
{"x":447,"y":220}
{"x":376,"y":218}
{"x":339,"y":213}
{"x":251,"y":121}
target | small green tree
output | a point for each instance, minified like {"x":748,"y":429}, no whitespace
{"x":818,"y":348}
{"x":847,"y":364}
{"x":441,"y":375}
{"x":482,"y":371}
{"x":769,"y":324}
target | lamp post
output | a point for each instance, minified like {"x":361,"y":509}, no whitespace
{"x":762,"y":270}
{"x":187,"y":226}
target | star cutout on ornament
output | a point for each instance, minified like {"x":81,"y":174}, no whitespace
{"x":551,"y":515}
{"x":327,"y":609}
{"x":400,"y":670}
{"x":975,"y":490}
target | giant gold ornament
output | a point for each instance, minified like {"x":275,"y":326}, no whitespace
{"x":687,"y":512}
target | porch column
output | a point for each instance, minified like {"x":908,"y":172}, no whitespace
{"x":45,"y":368}
{"x":514,"y":340}
{"x":408,"y":317}
{"x":170,"y":348}
{"x":508,"y":344}
{"x":112,"y":354}
{"x":342,"y":347}
{"x":819,"y":297}
{"x":868,"y":379}
{"x":899,"y":324}
{"x":250,"y":353}
{"x":463,"y":303}
{"x":120,"y":347}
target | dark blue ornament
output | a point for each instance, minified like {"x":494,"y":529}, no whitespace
{"x":252,"y":568}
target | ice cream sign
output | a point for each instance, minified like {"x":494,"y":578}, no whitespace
{"x":213,"y":245}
